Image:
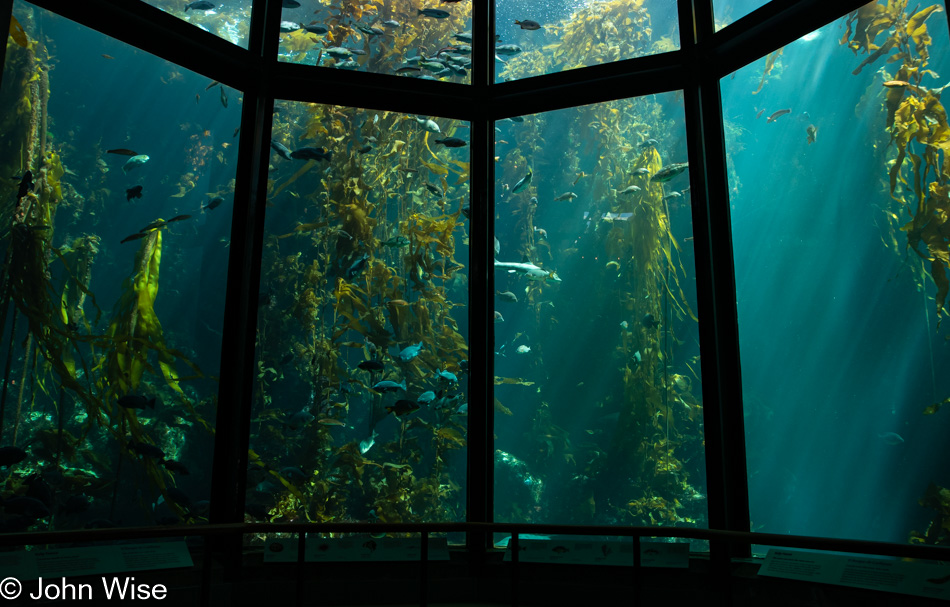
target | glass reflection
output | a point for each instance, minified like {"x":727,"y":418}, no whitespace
{"x":430,"y":42}
{"x":115,"y":257}
{"x":841,"y":274}
{"x":728,"y":11}
{"x":535,"y":39}
{"x":230,"y":20}
{"x":598,"y":409}
{"x":360,"y":404}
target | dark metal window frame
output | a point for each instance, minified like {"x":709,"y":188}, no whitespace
{"x":705,"y":57}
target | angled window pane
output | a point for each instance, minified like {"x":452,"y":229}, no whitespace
{"x":544,"y":39}
{"x":728,"y":11}
{"x":228,"y":19}
{"x":841,"y":271}
{"x":115,"y":260}
{"x":360,"y":405}
{"x":598,"y":410}
{"x":432,"y":42}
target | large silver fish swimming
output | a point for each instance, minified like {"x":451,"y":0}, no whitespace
{"x":529,"y":270}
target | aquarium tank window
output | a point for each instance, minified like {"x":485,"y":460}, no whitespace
{"x":838,"y":212}
{"x":360,"y":402}
{"x":727,"y":11}
{"x":534,"y":38}
{"x":229,"y":19}
{"x":431,"y":42}
{"x":598,"y":394}
{"x":120,"y":185}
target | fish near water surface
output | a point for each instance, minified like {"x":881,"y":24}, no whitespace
{"x":199,"y":5}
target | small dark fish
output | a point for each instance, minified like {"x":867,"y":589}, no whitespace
{"x":649,"y":143}
{"x":812,"y":132}
{"x":147,"y":450}
{"x":396,"y":242}
{"x":215,"y":203}
{"x":407,"y":69}
{"x":650,"y":322}
{"x":11,"y":455}
{"x":213,"y":84}
{"x":26,"y":185}
{"x":199,"y":5}
{"x":178,"y":218}
{"x":311,"y":154}
{"x":434,"y":189}
{"x":133,"y":237}
{"x":104,"y":56}
{"x":357,"y":266}
{"x":777,"y":114}
{"x":197,"y":98}
{"x":366,"y":149}
{"x":523,"y":184}
{"x":316,"y":28}
{"x":435,"y":13}
{"x":224,"y":97}
{"x":135,"y":401}
{"x":467,"y":211}
{"x":528,"y":25}
{"x":135,"y":192}
{"x":370,"y":31}
{"x":294,"y":474}
{"x":176,"y":467}
{"x":158,"y":223}
{"x":290,"y":4}
{"x":282,"y":150}
{"x":371,"y":365}
{"x":451,"y":142}
{"x":759,"y":114}
{"x":403,"y":407}
{"x":122,"y":152}
{"x":891,"y":438}
{"x":668,"y":172}
{"x":236,"y":131}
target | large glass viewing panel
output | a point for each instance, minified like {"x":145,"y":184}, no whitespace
{"x":598,"y":411}
{"x":429,"y":40}
{"x":118,"y":191}
{"x":360,"y":401}
{"x":840,"y":235}
{"x":535,"y":39}
{"x":728,"y":11}
{"x":228,"y":19}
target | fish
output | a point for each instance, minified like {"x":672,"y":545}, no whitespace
{"x":311,"y":153}
{"x":630,"y":189}
{"x":389,"y":386}
{"x":133,"y":192}
{"x":215,"y":203}
{"x":566,"y":196}
{"x":392,"y":23}
{"x":289,"y":26}
{"x":146,"y":450}
{"x":895,"y":84}
{"x":891,"y":438}
{"x":369,"y":30}
{"x":448,"y":376}
{"x":135,"y":401}
{"x":435,"y":189}
{"x":135,"y":162}
{"x":410,"y":352}
{"x":507,"y":296}
{"x":528,"y":25}
{"x":122,"y":152}
{"x":649,"y":321}
{"x":467,"y":210}
{"x":430,"y":125}
{"x":497,"y":246}
{"x":426,"y":397}
{"x":451,"y":142}
{"x":529,"y":270}
{"x":176,"y":467}
{"x":178,"y":218}
{"x":523,"y":184}
{"x":406,"y":69}
{"x":396,"y":242}
{"x":11,"y":455}
{"x":357,"y":266}
{"x":282,"y":150}
{"x":224,"y":97}
{"x":649,"y":143}
{"x":403,"y":407}
{"x":435,"y":13}
{"x":371,"y":365}
{"x":133,"y":237}
{"x":289,"y":4}
{"x":668,"y":172}
{"x":26,"y":184}
{"x":498,"y":317}
{"x":759,"y":114}
{"x":316,"y":28}
{"x":366,"y":149}
{"x":777,"y":114}
{"x":104,"y":56}
{"x":294,"y":474}
{"x":812,"y":133}
{"x":522,"y":349}
{"x":508,"y":50}
{"x":199,"y":5}
{"x":642,"y":171}
{"x":213,"y":84}
{"x":330,"y":421}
